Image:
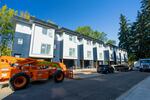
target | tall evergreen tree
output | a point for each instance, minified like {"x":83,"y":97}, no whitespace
{"x":146,"y":27}
{"x":124,"y":33}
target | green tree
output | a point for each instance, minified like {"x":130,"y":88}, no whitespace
{"x":85,"y":30}
{"x":124,"y":33}
{"x":111,"y":42}
{"x":139,"y":39}
{"x":145,"y":14}
{"x":6,"y":30}
{"x":49,"y":21}
{"x":88,"y":31}
{"x":25,"y":15}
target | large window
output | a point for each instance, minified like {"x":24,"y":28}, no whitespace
{"x":72,"y":38}
{"x":111,"y":56}
{"x":44,"y":31}
{"x":50,"y":33}
{"x":72,"y":52}
{"x":45,"y":49}
{"x":100,"y":45}
{"x":88,"y":42}
{"x":47,"y":32}
{"x":89,"y":54}
{"x":100,"y":55}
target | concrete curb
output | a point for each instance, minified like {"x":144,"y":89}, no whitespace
{"x":129,"y":92}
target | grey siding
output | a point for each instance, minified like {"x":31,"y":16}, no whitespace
{"x":106,"y":55}
{"x":95,"y":53}
{"x":21,"y":49}
{"x":80,"y":52}
{"x":58,"y":51}
{"x":80,"y":55}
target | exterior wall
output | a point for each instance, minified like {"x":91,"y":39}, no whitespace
{"x":100,"y":49}
{"x":21,"y":40}
{"x":121,"y":56}
{"x":23,"y":28}
{"x":37,"y":38}
{"x":33,"y":38}
{"x":58,"y":48}
{"x":111,"y":53}
{"x":67,"y":44}
{"x":87,"y":48}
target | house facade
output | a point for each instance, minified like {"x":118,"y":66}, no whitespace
{"x":66,"y":50}
{"x":33,"y":38}
{"x":98,"y":53}
{"x":85,"y":50}
{"x":42,"y":40}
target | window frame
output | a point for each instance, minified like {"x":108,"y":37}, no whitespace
{"x":20,"y":41}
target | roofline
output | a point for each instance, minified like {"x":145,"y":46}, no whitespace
{"x":36,"y":20}
{"x":62,"y":29}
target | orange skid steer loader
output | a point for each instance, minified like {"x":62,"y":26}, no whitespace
{"x":19,"y":72}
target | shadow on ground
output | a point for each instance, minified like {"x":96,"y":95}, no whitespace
{"x":103,"y":87}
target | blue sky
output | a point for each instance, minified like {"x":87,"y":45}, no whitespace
{"x":102,"y":15}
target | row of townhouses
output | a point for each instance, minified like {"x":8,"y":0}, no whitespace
{"x":39,"y":39}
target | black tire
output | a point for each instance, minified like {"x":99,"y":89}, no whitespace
{"x":59,"y":76}
{"x":26,"y":80}
{"x":98,"y":70}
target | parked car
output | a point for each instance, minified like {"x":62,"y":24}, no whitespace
{"x":105,"y":69}
{"x":122,"y":68}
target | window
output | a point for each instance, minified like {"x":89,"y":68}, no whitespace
{"x":45,"y":49}
{"x":89,"y":54}
{"x":72,"y":52}
{"x":100,"y":55}
{"x":111,"y":48}
{"x":111,"y":56}
{"x":50,"y":33}
{"x":20,"y":41}
{"x":100,"y":45}
{"x":88,"y":42}
{"x":44,"y":31}
{"x":72,"y":38}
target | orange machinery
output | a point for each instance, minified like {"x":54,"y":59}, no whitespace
{"x":18,"y":72}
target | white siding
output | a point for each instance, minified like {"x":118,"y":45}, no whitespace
{"x":100,"y":50}
{"x":69,"y":44}
{"x":37,"y":39}
{"x":87,"y":48}
{"x":23,"y":28}
{"x":110,"y":52}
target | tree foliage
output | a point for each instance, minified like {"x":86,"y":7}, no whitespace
{"x":6,"y":30}
{"x":25,"y":15}
{"x":124,"y":33}
{"x":111,"y":42}
{"x":88,"y":31}
{"x":137,"y":43}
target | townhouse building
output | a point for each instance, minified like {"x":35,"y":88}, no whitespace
{"x":66,"y":50}
{"x":98,"y":53}
{"x":39,"y":39}
{"x":33,"y":38}
{"x":85,"y":52}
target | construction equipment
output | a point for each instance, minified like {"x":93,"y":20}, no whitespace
{"x":19,"y":72}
